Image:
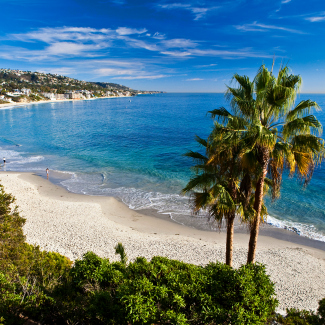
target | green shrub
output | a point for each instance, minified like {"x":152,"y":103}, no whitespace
{"x":304,"y":317}
{"x":12,"y":239}
{"x":167,"y":291}
{"x":28,"y":276}
{"x":321,"y":310}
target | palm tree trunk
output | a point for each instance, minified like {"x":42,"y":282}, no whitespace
{"x":230,"y":239}
{"x":259,"y":194}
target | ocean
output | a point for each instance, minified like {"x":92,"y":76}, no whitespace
{"x":132,"y":149}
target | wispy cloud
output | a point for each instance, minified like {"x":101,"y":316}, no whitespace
{"x":64,"y":71}
{"x":151,"y":77}
{"x":80,"y":40}
{"x":194,"y":79}
{"x":93,"y":47}
{"x":130,"y":31}
{"x":129,"y":73}
{"x":198,"y":12}
{"x":244,"y":53}
{"x":206,"y":65}
{"x":256,"y":27}
{"x":316,"y":18}
{"x":179,"y":43}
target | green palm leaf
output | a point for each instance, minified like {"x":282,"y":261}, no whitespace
{"x":304,"y":107}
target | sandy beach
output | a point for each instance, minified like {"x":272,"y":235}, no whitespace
{"x":13,"y":104}
{"x":73,"y":224}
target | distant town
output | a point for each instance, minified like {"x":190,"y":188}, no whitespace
{"x":17,"y":86}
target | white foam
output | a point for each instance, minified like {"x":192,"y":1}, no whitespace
{"x":301,"y":229}
{"x":28,"y":160}
{"x":174,"y":205}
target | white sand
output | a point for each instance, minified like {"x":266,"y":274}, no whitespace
{"x":73,"y":224}
{"x":18,"y":104}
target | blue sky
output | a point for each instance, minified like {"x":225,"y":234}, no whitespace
{"x":174,"y":46}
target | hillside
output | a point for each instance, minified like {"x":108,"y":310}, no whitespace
{"x":27,"y":86}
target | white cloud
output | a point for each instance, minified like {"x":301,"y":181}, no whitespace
{"x":198,"y":12}
{"x":285,"y":1}
{"x":157,"y":35}
{"x":53,"y":44}
{"x":179,"y":43}
{"x":63,"y":71}
{"x":143,"y":77}
{"x":194,"y":79}
{"x":136,"y":43}
{"x":175,"y":6}
{"x":244,"y":53}
{"x":256,"y":27}
{"x":115,"y":72}
{"x":176,"y":53}
{"x":314,"y":19}
{"x":78,"y":34}
{"x":74,"y":49}
{"x":206,"y":65}
{"x":130,"y":31}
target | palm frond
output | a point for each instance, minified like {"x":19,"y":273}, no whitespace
{"x":201,"y":141}
{"x":305,"y":125}
{"x":195,"y":156}
{"x":221,"y":114}
{"x":303,"y":108}
{"x":199,"y":182}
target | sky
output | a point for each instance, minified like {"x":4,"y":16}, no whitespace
{"x":165,"y":45}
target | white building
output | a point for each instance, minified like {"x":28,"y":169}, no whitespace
{"x":26,"y":91}
{"x":50,"y":96}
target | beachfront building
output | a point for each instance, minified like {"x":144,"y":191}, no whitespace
{"x":50,"y":96}
{"x":26,"y":91}
{"x":60,"y":96}
{"x":16,"y":93}
{"x":75,"y":95}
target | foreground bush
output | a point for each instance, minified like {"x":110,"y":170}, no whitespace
{"x":167,"y":291}
{"x":304,"y":317}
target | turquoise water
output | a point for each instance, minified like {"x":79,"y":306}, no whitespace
{"x":131,"y":148}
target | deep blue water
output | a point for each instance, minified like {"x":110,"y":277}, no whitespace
{"x":132,"y":148}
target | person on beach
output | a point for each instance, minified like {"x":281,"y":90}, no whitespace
{"x":47,"y":173}
{"x":4,"y":160}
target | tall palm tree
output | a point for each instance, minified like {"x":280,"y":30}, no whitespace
{"x":215,"y":186}
{"x":277,"y":135}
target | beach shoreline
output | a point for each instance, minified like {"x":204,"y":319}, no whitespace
{"x":72,"y":224}
{"x":14,"y":105}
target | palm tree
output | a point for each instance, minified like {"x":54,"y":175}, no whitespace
{"x":215,"y":186}
{"x":276,"y":136}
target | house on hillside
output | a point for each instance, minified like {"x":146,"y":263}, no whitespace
{"x":26,"y":91}
{"x":50,"y":96}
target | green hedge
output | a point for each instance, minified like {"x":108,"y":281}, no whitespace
{"x":161,"y":291}
{"x":165,"y":291}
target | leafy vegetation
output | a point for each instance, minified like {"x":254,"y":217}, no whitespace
{"x":303,"y":317}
